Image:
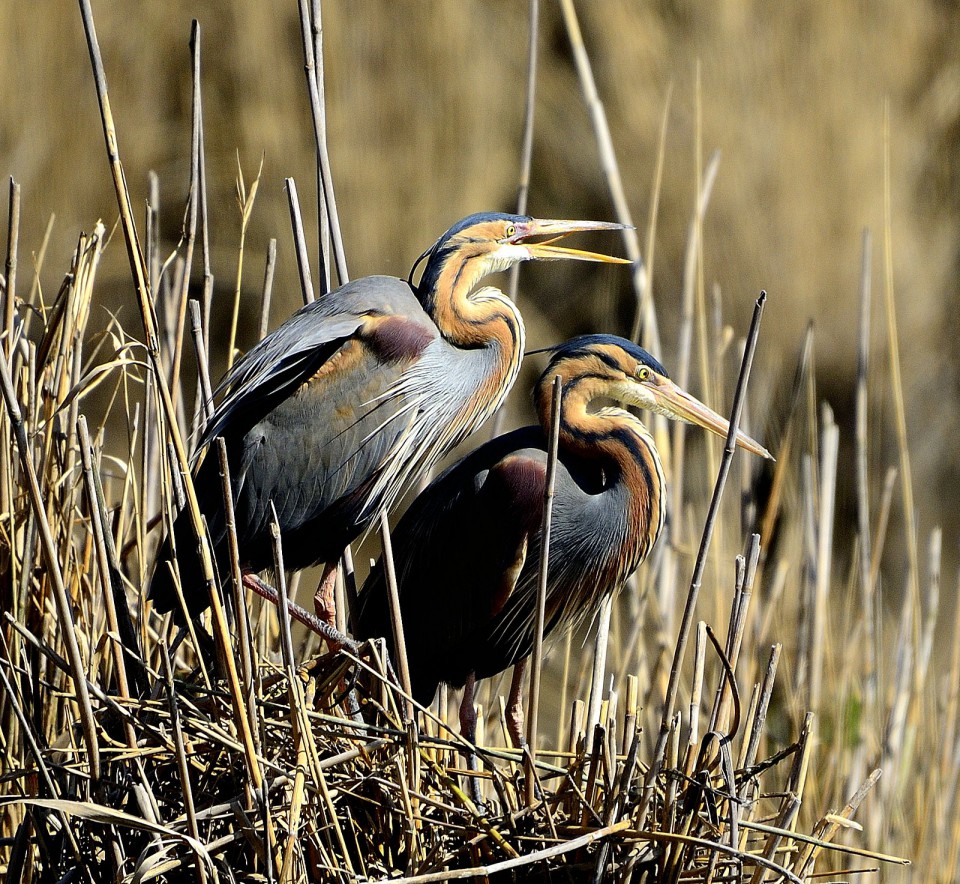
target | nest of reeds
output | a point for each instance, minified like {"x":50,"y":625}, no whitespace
{"x":128,"y":752}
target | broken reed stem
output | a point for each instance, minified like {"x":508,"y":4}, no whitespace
{"x":806,"y":860}
{"x":300,"y":242}
{"x":694,"y":590}
{"x":536,"y":658}
{"x":268,"y":271}
{"x":759,"y":719}
{"x":738,"y":623}
{"x":611,"y":170}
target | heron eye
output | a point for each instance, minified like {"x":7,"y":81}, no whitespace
{"x":511,"y":230}
{"x":643,"y":373}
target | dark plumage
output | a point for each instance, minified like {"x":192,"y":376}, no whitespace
{"x":334,"y":414}
{"x":467,"y":551}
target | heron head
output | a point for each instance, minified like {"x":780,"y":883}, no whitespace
{"x":491,"y":241}
{"x":619,"y":369}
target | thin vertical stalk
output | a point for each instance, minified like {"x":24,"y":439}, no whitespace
{"x":536,"y":661}
{"x":9,"y":307}
{"x":766,"y":692}
{"x":38,"y":266}
{"x":863,"y":481}
{"x":644,"y":319}
{"x":136,"y":673}
{"x":13,"y":239}
{"x":824,"y":534}
{"x":244,"y":641}
{"x":599,"y":668}
{"x":608,"y":162}
{"x":323,"y":159}
{"x":323,"y":215}
{"x":684,"y":345}
{"x":696,"y":695}
{"x":952,"y":701}
{"x":203,"y":364}
{"x":193,"y":210}
{"x":896,"y":382}
{"x":526,"y":158}
{"x":396,"y":617}
{"x":694,"y":590}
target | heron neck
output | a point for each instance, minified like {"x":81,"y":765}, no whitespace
{"x":615,"y":440}
{"x":464,"y":316}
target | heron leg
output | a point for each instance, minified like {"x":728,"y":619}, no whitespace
{"x":468,"y":729}
{"x":325,"y":598}
{"x":334,"y":638}
{"x":514,"y":711}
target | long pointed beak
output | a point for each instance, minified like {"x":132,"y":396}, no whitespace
{"x":680,"y":405}
{"x":557,"y":230}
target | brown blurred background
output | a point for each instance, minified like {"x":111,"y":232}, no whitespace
{"x":425,"y":110}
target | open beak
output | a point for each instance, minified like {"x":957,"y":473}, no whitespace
{"x":557,"y":230}
{"x":680,"y":405}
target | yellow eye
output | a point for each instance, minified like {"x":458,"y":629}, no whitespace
{"x":510,"y":231}
{"x":643,"y":373}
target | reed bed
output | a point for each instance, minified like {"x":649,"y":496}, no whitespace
{"x":808,"y":733}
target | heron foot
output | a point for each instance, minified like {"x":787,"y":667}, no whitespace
{"x":325,"y":598}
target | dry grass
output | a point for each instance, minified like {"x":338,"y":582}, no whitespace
{"x":124,"y":757}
